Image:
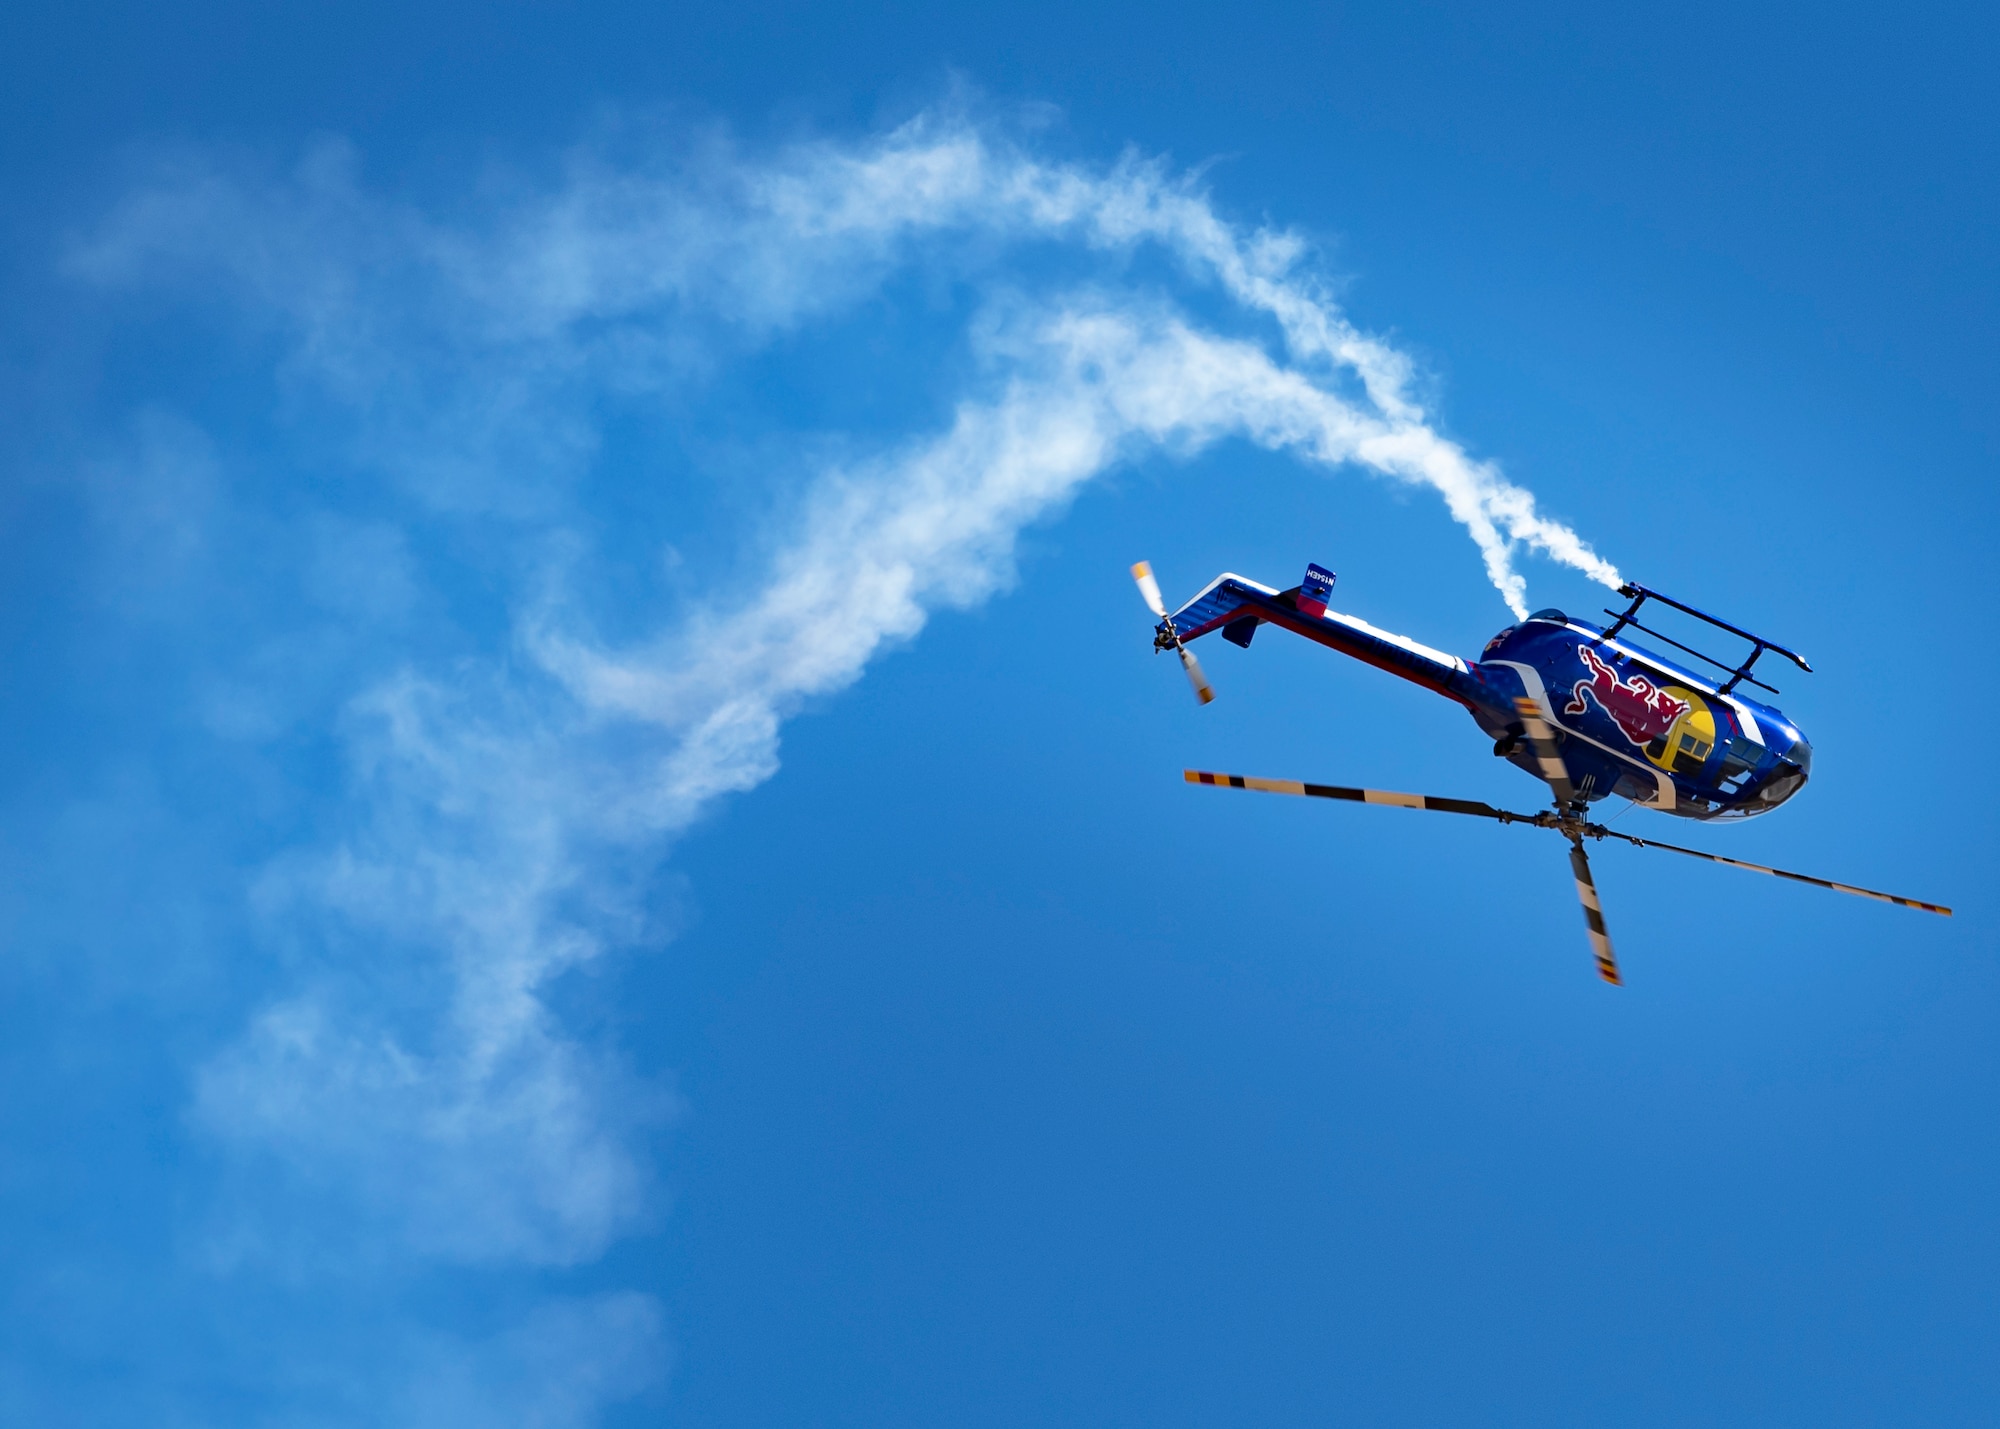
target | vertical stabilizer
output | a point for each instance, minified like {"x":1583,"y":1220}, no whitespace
{"x":1315,"y":590}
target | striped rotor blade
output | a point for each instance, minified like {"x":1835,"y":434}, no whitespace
{"x":1937,"y":908}
{"x":1542,"y":740}
{"x":1149,"y":588}
{"x":1203,"y":691}
{"x":1593,"y":916}
{"x":1383,"y":797}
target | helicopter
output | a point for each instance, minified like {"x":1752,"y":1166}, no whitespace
{"x":1579,"y":706}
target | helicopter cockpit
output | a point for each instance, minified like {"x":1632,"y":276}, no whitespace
{"x":1794,"y":767}
{"x":1751,"y":780}
{"x":1727,"y":766}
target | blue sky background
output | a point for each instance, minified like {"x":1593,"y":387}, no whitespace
{"x":387,"y":1040}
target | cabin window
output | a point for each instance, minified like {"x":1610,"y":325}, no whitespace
{"x":1694,"y":748}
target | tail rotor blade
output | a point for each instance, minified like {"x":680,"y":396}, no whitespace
{"x":1593,"y":915}
{"x":1149,"y":588}
{"x":1203,"y":691}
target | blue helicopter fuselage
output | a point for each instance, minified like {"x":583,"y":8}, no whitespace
{"x":1629,"y":722}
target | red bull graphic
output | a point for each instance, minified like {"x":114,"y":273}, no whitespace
{"x":1640,"y":709}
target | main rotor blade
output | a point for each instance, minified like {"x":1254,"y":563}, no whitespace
{"x":1149,"y":588}
{"x":1383,"y":797}
{"x":1203,"y":691}
{"x":1542,"y":740}
{"x":1593,"y":915}
{"x":1937,"y":908}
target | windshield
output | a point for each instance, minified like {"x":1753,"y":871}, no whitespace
{"x":1781,"y":783}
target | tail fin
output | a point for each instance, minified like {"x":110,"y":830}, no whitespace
{"x":1315,"y":589}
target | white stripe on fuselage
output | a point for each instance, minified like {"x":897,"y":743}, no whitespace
{"x":1352,"y":622}
{"x":1334,"y":617}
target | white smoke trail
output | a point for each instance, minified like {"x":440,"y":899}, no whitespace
{"x":498,"y":815}
{"x":826,"y":213}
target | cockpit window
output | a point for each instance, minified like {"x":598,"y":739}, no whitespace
{"x":1739,"y":762}
{"x":1786,"y":781}
{"x":1742,"y":756}
{"x":1551,"y":614}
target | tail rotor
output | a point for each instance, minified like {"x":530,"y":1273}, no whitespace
{"x":1168,"y":637}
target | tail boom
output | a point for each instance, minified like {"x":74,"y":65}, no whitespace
{"x":1230,"y":598}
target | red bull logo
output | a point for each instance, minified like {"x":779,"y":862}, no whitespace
{"x":1640,"y":709}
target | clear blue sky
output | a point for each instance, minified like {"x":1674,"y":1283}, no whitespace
{"x":593,"y":837}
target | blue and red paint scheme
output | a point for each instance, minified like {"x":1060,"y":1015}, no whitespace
{"x":1628,"y":722}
